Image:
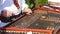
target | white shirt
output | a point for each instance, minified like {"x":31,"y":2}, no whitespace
{"x":55,"y":5}
{"x":9,"y":5}
{"x":54,"y":0}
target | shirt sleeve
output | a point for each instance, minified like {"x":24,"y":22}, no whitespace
{"x":23,"y":4}
{"x":1,"y":1}
{"x":54,"y":0}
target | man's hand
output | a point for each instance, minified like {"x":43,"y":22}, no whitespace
{"x":28,"y":11}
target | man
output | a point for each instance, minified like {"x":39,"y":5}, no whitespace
{"x":8,"y":8}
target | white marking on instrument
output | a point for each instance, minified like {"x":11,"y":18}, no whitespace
{"x":57,"y":10}
{"x":29,"y":32}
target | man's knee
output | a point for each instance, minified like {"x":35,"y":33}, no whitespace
{"x":6,"y":13}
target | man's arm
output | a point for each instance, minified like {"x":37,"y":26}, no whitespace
{"x":24,"y":7}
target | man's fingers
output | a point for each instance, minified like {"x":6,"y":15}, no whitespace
{"x":28,"y":11}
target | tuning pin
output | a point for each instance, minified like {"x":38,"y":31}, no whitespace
{"x":14,"y":31}
{"x":29,"y":32}
{"x":35,"y":33}
{"x":42,"y":33}
{"x":22,"y":33}
{"x":9,"y":31}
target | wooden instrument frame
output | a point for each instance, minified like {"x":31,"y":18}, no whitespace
{"x":26,"y":30}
